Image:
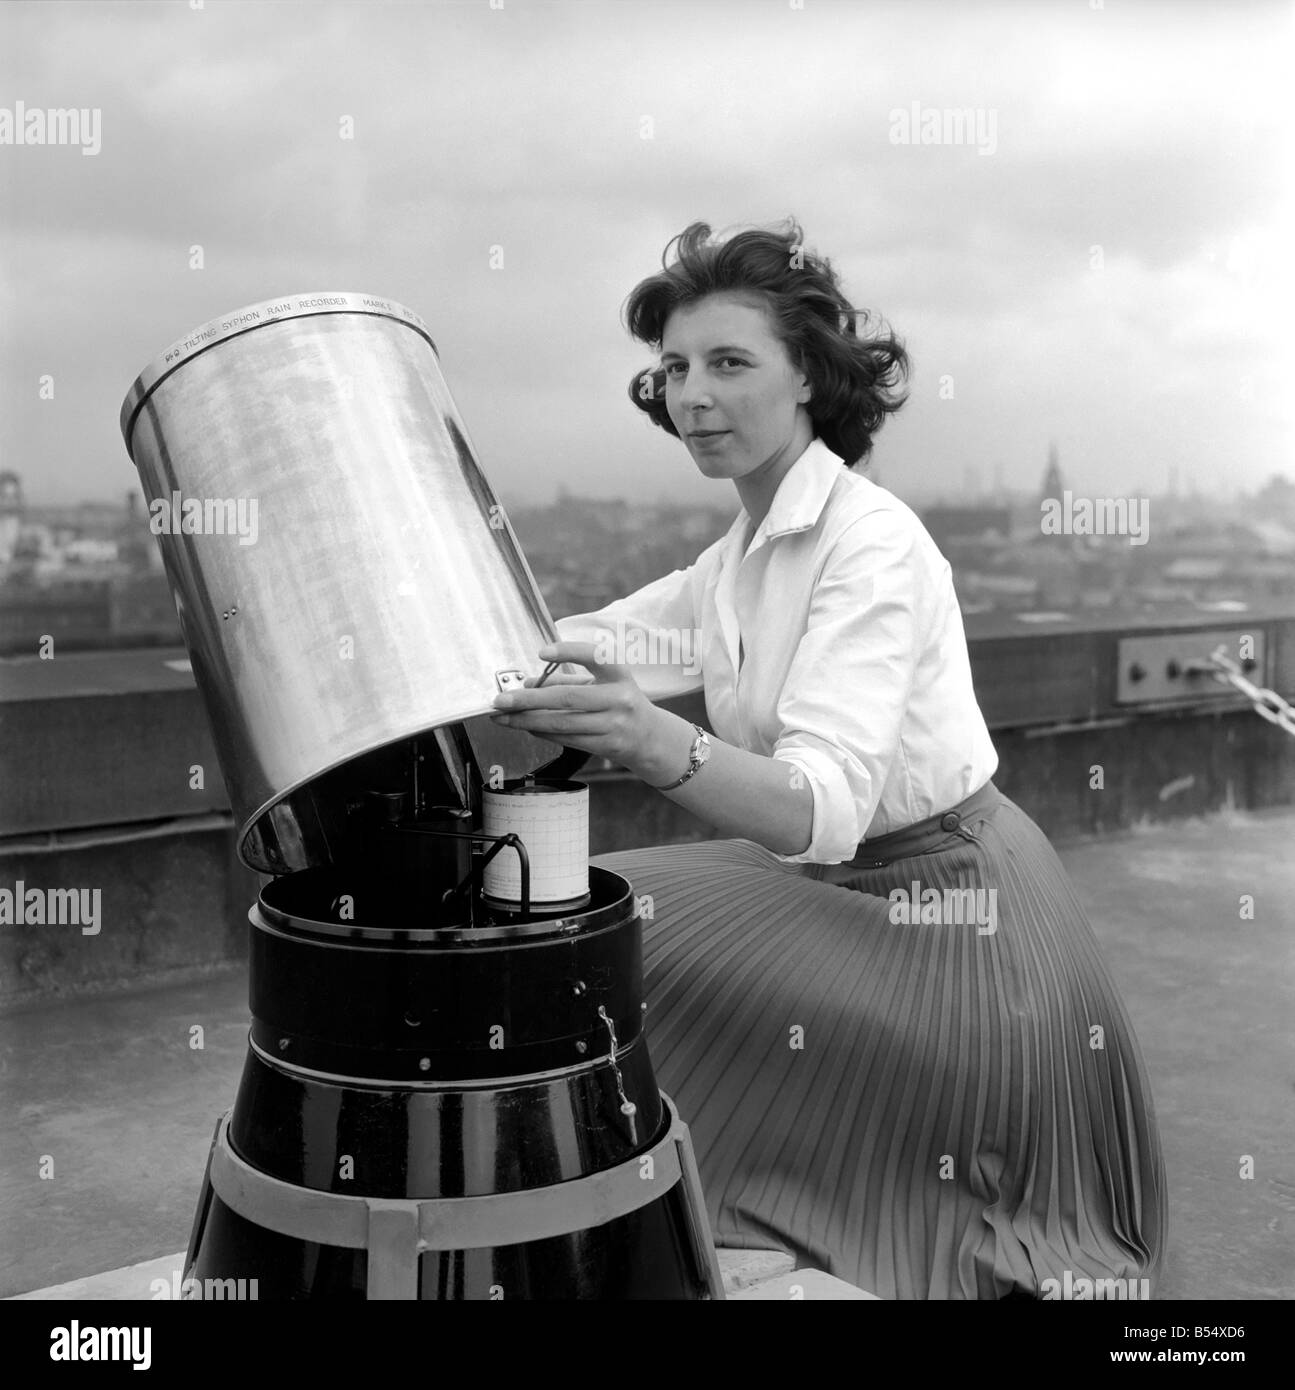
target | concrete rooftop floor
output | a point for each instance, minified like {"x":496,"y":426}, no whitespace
{"x":111,"y":1088}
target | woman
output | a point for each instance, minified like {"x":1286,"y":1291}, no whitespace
{"x":931,"y":1094}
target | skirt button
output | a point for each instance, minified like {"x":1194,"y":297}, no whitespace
{"x":950,"y":821}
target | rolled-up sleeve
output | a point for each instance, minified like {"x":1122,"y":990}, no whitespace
{"x":842,"y":705}
{"x":653,"y":631}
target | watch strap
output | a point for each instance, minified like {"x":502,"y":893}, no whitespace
{"x":697,"y":756}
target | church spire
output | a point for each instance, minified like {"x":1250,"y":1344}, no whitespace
{"x":1052,"y":483}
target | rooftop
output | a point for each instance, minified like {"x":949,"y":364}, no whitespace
{"x":110,"y":1086}
{"x":98,"y":1070}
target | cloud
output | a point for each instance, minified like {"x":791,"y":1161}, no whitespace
{"x":1151,"y":131}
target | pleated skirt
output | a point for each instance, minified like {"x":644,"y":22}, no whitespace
{"x":941,"y":1103}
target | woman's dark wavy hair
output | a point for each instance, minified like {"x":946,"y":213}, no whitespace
{"x":853,"y":379}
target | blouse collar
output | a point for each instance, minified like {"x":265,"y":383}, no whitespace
{"x":801,"y":496}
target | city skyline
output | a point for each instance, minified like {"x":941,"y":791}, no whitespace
{"x":974,"y":484}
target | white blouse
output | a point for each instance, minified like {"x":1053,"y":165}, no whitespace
{"x":832,"y":640}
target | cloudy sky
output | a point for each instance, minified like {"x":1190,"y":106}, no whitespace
{"x":580,"y":137}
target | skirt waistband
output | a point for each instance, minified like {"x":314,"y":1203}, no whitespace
{"x":923,"y":835}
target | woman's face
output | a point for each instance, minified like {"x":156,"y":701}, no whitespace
{"x":731,"y":390}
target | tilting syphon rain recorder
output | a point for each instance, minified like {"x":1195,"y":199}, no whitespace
{"x":447,"y":1091}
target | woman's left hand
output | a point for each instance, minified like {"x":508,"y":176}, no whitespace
{"x":608,"y":716}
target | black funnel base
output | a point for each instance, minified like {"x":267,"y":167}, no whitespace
{"x":430,"y":1114}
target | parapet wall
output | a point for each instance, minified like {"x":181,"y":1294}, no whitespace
{"x":98,"y":751}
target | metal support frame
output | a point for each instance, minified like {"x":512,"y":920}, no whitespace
{"x":396,"y":1231}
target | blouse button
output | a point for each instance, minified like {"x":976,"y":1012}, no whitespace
{"x":950,"y":821}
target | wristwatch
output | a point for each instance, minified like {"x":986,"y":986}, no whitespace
{"x":697,"y":756}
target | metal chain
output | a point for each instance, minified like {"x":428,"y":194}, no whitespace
{"x":628,"y":1108}
{"x":1266,"y":702}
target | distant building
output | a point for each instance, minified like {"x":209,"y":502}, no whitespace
{"x":1055,"y":571}
{"x":136,"y":545}
{"x":950,"y":526}
{"x":89,"y":550}
{"x":1053,"y":486}
{"x":142,"y":611}
{"x":979,"y":592}
{"x":11,"y":514}
{"x":1277,"y":499}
